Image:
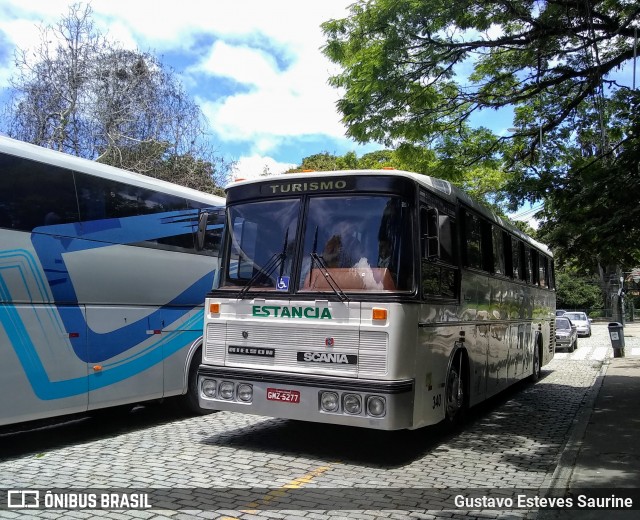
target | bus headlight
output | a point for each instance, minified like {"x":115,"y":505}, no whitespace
{"x":352,"y":403}
{"x":226,"y":390}
{"x":329,"y":401}
{"x":376,"y":406}
{"x":208,"y":387}
{"x":245,"y":392}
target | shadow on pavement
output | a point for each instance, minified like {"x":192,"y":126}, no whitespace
{"x":511,"y":418}
{"x":40,"y":436}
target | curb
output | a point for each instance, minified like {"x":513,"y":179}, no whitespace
{"x":561,"y":477}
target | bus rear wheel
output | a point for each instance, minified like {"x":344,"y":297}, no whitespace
{"x":537,"y":366}
{"x":456,"y":393}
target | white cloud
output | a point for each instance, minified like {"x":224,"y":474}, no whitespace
{"x":271,"y":50}
{"x":256,"y":165}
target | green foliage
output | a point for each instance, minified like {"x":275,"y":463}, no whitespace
{"x":592,"y":212}
{"x":575,"y":292}
{"x":414,"y":71}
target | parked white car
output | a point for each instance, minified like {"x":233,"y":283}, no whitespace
{"x":581,"y":321}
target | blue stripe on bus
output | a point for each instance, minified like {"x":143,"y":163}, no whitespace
{"x":46,"y":389}
{"x":52,"y":242}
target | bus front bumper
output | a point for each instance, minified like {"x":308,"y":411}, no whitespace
{"x":382,"y":405}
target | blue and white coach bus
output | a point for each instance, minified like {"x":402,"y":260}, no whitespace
{"x":380,"y":299}
{"x":101,"y":284}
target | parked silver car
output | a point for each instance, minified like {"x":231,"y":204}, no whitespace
{"x":581,"y":321}
{"x":566,"y":334}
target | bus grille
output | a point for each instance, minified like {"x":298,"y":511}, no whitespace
{"x":214,"y":343}
{"x":370,"y":347}
{"x":373,"y":353}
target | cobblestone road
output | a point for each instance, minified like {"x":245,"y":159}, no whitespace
{"x":252,"y":467}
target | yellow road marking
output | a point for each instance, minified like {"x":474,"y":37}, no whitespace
{"x":282,"y":491}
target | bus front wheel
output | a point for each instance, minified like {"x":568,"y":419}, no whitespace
{"x":456,"y":392}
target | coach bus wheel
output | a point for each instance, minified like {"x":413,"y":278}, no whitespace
{"x":189,"y":401}
{"x":537,"y":369}
{"x":456,"y":393}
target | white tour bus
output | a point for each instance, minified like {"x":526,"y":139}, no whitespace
{"x":381,"y":299}
{"x":101,"y":284}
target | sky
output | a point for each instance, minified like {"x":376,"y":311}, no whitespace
{"x":254,"y":67}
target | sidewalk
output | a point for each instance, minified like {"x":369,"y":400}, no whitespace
{"x":604,"y":451}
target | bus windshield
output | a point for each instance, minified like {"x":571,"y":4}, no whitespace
{"x":262,"y":244}
{"x":363,"y":241}
{"x":358,"y":243}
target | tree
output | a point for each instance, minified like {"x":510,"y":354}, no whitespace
{"x":81,"y":94}
{"x":575,"y":292}
{"x":414,"y":72}
{"x":403,"y":62}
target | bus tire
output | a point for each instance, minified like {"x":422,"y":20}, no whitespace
{"x":189,"y":401}
{"x":456,"y":392}
{"x":537,"y":366}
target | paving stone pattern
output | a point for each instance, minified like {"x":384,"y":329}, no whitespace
{"x":257,"y":467}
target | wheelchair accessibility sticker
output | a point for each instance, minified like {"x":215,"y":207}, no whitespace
{"x":283,"y":283}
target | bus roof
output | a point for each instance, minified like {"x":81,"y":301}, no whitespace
{"x":441,"y":187}
{"x":63,"y":160}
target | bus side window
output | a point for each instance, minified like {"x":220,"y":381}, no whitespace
{"x":430,"y":229}
{"x":544,"y":271}
{"x":473,"y":239}
{"x":516,"y":259}
{"x":448,"y":239}
{"x":535,"y":267}
{"x":498,"y":251}
{"x":34,"y":194}
{"x":527,"y":270}
{"x":438,"y":238}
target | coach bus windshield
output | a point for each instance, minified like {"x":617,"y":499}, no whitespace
{"x":360,"y":242}
{"x":262,"y":245}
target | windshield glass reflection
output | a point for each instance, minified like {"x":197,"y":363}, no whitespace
{"x":262,"y":244}
{"x":364,"y":243}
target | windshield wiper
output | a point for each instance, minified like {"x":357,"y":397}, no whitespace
{"x":317,"y":260}
{"x":275,"y":260}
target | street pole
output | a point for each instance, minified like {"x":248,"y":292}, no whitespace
{"x":621,"y":297}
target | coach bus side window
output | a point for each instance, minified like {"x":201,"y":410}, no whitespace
{"x":33,"y":194}
{"x":473,"y":240}
{"x":106,"y":199}
{"x":437,"y":239}
{"x":543,"y":271}
{"x":527,"y":265}
{"x":498,"y":251}
{"x":430,"y":233}
{"x":516,"y":259}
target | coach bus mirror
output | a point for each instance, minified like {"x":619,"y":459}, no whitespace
{"x":203,"y":219}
